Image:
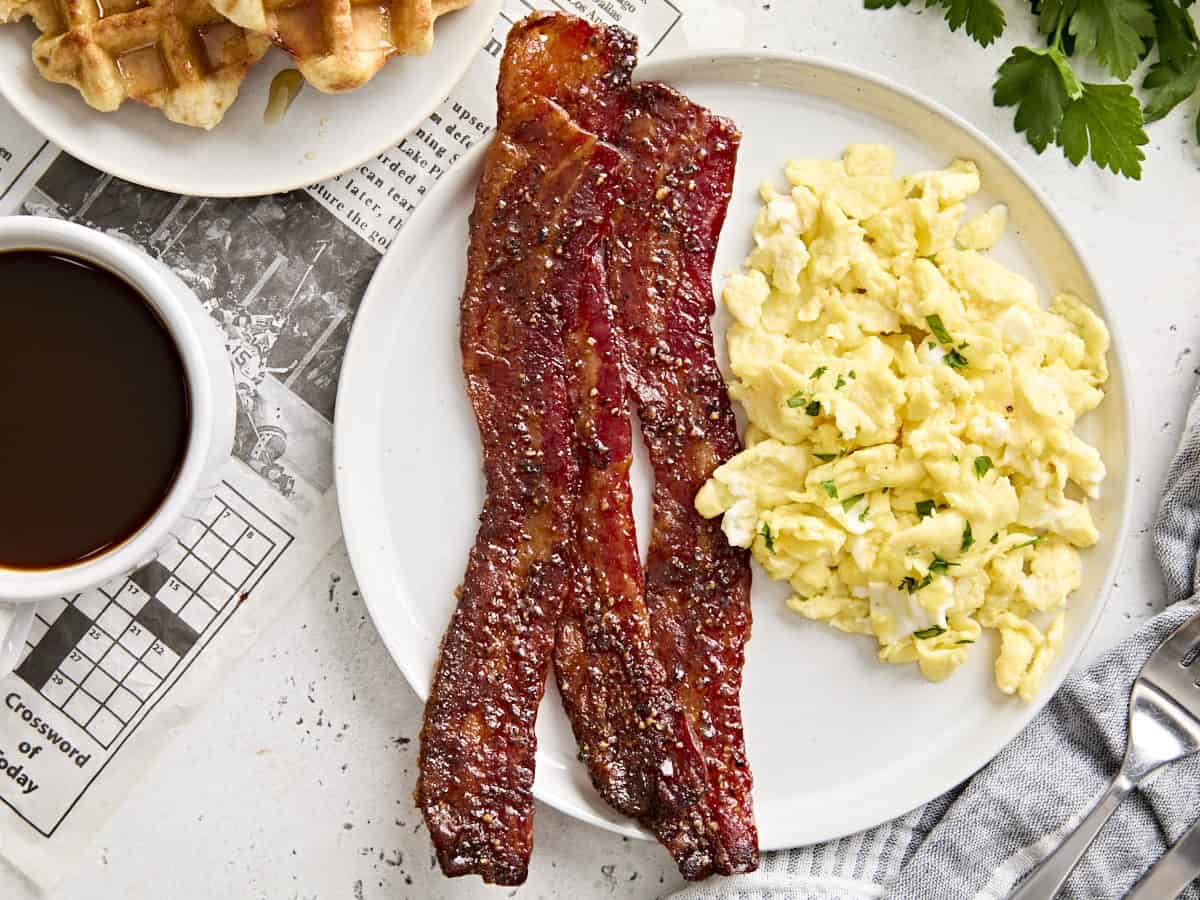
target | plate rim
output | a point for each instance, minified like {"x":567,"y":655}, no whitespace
{"x":451,"y":76}
{"x":663,"y":68}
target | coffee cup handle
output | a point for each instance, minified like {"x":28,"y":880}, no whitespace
{"x":19,"y":618}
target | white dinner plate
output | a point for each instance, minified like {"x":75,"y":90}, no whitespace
{"x":837,"y":741}
{"x":321,"y":135}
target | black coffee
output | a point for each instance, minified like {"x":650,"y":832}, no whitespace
{"x":94,"y":411}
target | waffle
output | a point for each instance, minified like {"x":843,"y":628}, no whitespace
{"x":339,"y":45}
{"x":42,"y":12}
{"x":181,"y":56}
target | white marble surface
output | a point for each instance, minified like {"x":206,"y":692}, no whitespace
{"x":295,"y":781}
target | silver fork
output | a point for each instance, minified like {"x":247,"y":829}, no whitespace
{"x":1164,"y":725}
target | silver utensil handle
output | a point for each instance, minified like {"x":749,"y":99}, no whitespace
{"x":1174,"y":872}
{"x":1052,"y":873}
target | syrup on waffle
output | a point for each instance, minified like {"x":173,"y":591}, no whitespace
{"x":339,"y":45}
{"x":181,"y":56}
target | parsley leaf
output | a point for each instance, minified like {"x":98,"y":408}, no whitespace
{"x":817,"y":372}
{"x":849,"y":502}
{"x":1107,"y":121}
{"x":1114,"y":31}
{"x":995,"y":538}
{"x":1053,"y":14}
{"x":930,"y":632}
{"x":814,"y":408}
{"x":967,"y":538}
{"x":955,"y":360}
{"x":984,"y":19}
{"x":1174,"y":31}
{"x":826,"y":457}
{"x":768,"y":537}
{"x":939,"y":330}
{"x":1171,"y":86}
{"x":983,"y":465}
{"x":840,"y":383}
{"x":830,"y":488}
{"x":911,"y":585}
{"x":797,"y":400}
{"x":1033,"y":543}
{"x":924,"y":508}
{"x":964,"y":642}
{"x":1035,"y":82}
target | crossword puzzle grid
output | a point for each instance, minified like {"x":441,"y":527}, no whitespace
{"x":100,"y":656}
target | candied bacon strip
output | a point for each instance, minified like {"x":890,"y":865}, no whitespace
{"x":697,"y":586}
{"x":629,"y":726}
{"x":674,"y":197}
{"x":528,"y":260}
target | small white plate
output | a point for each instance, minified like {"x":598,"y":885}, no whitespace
{"x":837,"y":741}
{"x":321,"y":136}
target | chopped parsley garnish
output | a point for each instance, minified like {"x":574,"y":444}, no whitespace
{"x":840,"y":383}
{"x":830,"y":488}
{"x":1032,"y":543}
{"x":814,"y":408}
{"x":849,"y":503}
{"x":939,"y":330}
{"x":967,"y":539}
{"x":885,"y":489}
{"x":964,"y":642}
{"x":955,"y":360}
{"x":826,"y":457}
{"x":940,"y":566}
{"x":931,"y":345}
{"x":931,"y":632}
{"x":797,"y":400}
{"x":911,"y":584}
{"x":983,"y":465}
{"x":924,"y":508}
{"x":995,"y":538}
{"x":817,"y":372}
{"x":768,"y":537}
{"x":853,"y":375}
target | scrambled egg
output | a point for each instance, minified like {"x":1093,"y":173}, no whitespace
{"x":911,"y":465}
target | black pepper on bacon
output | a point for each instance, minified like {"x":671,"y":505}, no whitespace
{"x":529,"y":265}
{"x":659,"y":255}
{"x":660,"y":258}
{"x":637,"y":744}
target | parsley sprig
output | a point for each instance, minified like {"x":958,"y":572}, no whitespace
{"x":1103,"y":121}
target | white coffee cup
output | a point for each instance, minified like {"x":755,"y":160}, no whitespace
{"x":211,"y":403}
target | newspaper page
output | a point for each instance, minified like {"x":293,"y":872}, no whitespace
{"x":108,"y":676}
